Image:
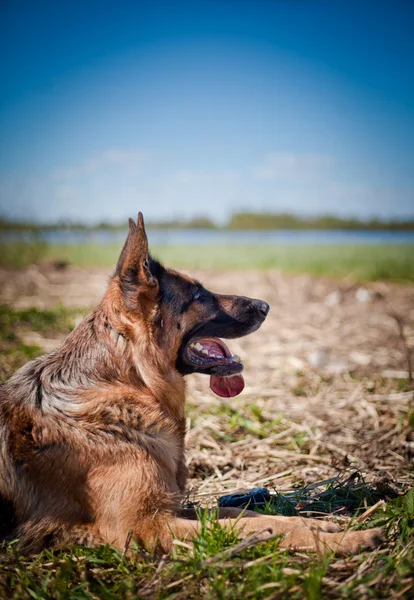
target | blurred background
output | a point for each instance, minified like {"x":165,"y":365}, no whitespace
{"x":271,"y":123}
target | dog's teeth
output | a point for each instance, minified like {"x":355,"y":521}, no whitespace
{"x":204,"y":351}
{"x":198,"y":346}
{"x":236,"y":359}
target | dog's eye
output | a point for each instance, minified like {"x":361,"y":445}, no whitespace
{"x":197,"y":295}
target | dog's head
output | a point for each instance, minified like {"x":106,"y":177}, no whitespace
{"x":183,"y":318}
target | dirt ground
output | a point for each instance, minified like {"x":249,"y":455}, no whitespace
{"x":326,"y":379}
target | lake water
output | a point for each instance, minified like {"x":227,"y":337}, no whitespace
{"x":211,"y":236}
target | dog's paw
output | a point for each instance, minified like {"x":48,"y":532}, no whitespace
{"x":353,"y":542}
{"x":310,"y":539}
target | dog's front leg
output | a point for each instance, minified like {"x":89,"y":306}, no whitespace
{"x":181,"y":475}
{"x":296,"y":534}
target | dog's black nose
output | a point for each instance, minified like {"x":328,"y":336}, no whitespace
{"x":262,"y":307}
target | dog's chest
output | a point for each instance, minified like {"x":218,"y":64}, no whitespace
{"x":134,"y":422}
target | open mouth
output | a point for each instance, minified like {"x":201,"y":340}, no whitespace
{"x":211,"y":356}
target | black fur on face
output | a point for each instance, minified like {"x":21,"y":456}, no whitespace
{"x":194,"y":313}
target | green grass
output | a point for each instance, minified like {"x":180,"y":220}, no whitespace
{"x":344,"y":494}
{"x":58,"y":320}
{"x":18,"y":254}
{"x":237,"y":423}
{"x":217,"y":568}
{"x":14,"y":323}
{"x":365,"y":263}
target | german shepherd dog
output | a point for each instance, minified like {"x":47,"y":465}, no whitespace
{"x":92,"y":434}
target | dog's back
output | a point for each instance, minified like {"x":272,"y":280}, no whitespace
{"x":75,"y":432}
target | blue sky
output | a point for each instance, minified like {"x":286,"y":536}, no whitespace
{"x":188,"y":108}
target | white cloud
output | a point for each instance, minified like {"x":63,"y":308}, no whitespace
{"x":127,"y":160}
{"x":293,"y":166}
{"x":115,"y":184}
{"x":104,"y":186}
{"x":193,"y":177}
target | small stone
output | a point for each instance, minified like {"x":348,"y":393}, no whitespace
{"x":364,"y":295}
{"x":318,"y":359}
{"x":295,"y":362}
{"x":333,"y":299}
{"x":360,"y":359}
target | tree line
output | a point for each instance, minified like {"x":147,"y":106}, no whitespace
{"x":239,"y":220}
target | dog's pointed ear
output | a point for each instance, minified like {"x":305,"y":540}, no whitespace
{"x":133,"y":266}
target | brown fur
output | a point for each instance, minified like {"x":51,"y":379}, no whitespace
{"x":92,"y":435}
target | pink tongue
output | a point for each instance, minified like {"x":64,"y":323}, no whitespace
{"x":227,"y":387}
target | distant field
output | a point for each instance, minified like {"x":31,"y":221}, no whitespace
{"x":395,"y":263}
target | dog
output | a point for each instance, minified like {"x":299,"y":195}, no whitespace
{"x":92,"y":434}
